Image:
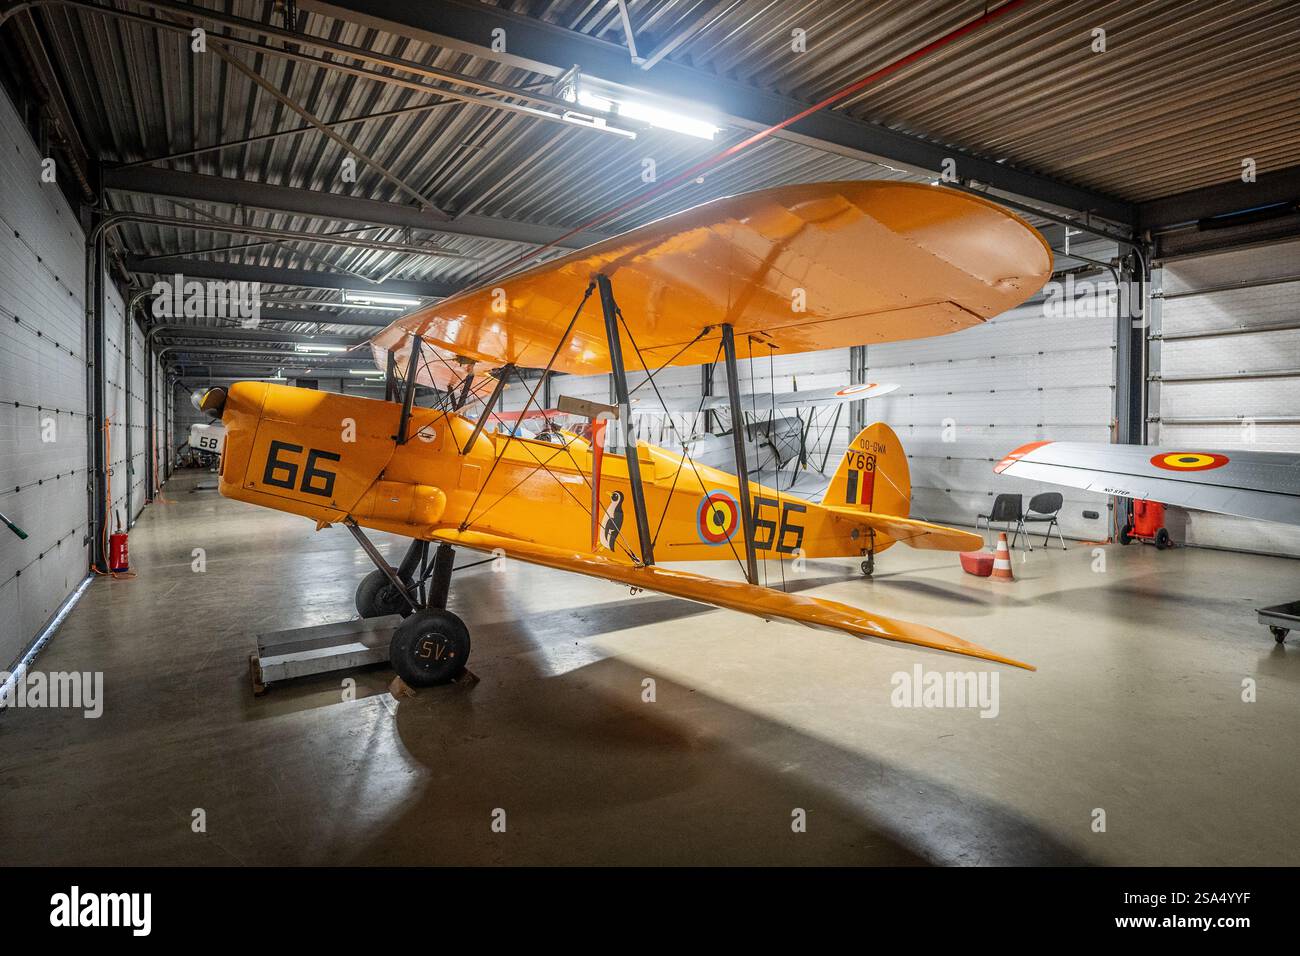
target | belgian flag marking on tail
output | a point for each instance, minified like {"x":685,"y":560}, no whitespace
{"x":861,"y":479}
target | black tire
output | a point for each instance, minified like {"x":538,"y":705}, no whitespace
{"x":1163,"y":540}
{"x":430,"y":647}
{"x":1126,"y":534}
{"x":1279,"y":633}
{"x":376,"y":596}
{"x":869,"y":565}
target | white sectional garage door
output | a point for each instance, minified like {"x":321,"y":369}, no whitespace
{"x":42,"y":394}
{"x":115,"y":399}
{"x":1227,"y":363}
{"x":139,"y":430}
{"x":969,"y":398}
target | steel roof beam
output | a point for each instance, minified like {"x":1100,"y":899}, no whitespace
{"x":278,"y":275}
{"x":375,"y":320}
{"x":1269,"y":189}
{"x":321,"y":205}
{"x":267,"y":352}
{"x":551,"y":50}
{"x":174,"y":334}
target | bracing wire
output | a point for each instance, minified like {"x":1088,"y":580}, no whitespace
{"x":704,"y":487}
{"x":469,"y":514}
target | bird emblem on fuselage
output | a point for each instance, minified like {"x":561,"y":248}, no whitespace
{"x":612,"y":521}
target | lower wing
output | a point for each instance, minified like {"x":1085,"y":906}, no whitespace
{"x":1251,"y":484}
{"x":733,"y":595}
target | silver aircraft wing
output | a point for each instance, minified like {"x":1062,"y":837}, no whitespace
{"x":1250,"y":484}
{"x":811,"y":398}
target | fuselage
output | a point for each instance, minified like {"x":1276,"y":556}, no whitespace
{"x":329,"y":457}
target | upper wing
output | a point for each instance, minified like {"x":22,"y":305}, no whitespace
{"x":1252,"y":484}
{"x":800,"y":268}
{"x":918,"y":534}
{"x":734,"y":595}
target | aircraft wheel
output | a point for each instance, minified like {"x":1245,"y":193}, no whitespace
{"x":1279,"y":633}
{"x":1163,"y":540}
{"x":376,"y":596}
{"x":869,"y":565}
{"x":1126,"y":534}
{"x":430,"y":647}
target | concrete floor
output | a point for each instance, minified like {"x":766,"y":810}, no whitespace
{"x":1136,"y":709}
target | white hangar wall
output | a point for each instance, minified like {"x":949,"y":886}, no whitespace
{"x":43,"y":407}
{"x":969,"y":398}
{"x":1225,"y":361}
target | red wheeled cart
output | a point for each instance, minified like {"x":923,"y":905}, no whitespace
{"x":1148,"y":525}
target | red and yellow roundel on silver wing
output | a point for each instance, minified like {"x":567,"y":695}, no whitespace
{"x":718,"y":517}
{"x":1188,"y":460}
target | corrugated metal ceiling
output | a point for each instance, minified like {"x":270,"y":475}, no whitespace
{"x":1183,"y":93}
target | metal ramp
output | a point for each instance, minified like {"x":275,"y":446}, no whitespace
{"x":320,"y":649}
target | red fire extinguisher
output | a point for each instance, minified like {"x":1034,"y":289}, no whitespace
{"x":118,"y":562}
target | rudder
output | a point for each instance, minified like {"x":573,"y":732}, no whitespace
{"x":873,"y":474}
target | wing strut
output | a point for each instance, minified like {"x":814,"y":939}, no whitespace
{"x":619,"y":376}
{"x":742,"y":461}
{"x":487,"y":409}
{"x":408,"y":394}
{"x":390,"y":377}
{"x":464,"y":392}
{"x":831,"y":440}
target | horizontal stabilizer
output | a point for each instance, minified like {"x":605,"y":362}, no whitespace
{"x":732,"y":595}
{"x":917,"y":534}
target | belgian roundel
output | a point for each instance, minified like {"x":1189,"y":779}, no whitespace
{"x":1188,"y":461}
{"x":718,"y":517}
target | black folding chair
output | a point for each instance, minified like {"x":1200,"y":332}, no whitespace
{"x":1006,"y":509}
{"x":1043,"y":508}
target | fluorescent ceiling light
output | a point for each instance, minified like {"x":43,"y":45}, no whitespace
{"x":361,"y":371}
{"x":378,"y":298}
{"x":310,"y":349}
{"x":595,"y":122}
{"x":642,"y":112}
{"x":592,"y":101}
{"x":598,"y":104}
{"x":666,"y":119}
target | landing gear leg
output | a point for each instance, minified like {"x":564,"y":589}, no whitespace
{"x":386,"y":590}
{"x":432,"y":645}
{"x":869,"y":565}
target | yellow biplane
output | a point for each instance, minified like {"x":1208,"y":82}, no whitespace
{"x":784,"y":270}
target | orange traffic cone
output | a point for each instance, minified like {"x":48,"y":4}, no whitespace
{"x":1002,"y":559}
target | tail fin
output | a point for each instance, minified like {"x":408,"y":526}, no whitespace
{"x":873,"y":474}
